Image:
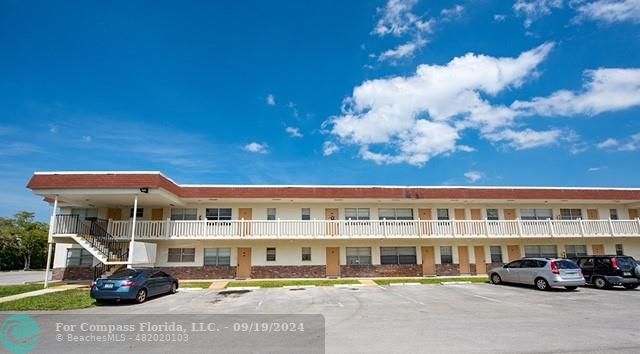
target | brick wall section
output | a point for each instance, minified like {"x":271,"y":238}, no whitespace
{"x":72,"y":273}
{"x":268,"y":272}
{"x":382,"y":270}
{"x":203,"y":272}
{"x":447,"y":269}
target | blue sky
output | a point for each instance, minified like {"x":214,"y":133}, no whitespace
{"x":478,"y":92}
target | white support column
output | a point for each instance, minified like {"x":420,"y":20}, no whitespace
{"x":52,"y":226}
{"x":133,"y":231}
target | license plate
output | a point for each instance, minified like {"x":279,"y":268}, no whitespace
{"x":108,"y":286}
{"x":627,"y":274}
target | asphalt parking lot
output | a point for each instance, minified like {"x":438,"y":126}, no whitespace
{"x":435,"y":318}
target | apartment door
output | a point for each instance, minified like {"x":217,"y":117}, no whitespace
{"x":331,"y":214}
{"x":428,"y":261}
{"x":333,"y":261}
{"x":477,"y":227}
{"x":633,"y":214}
{"x":244,"y":263}
{"x":157,"y":214}
{"x":460,"y":215}
{"x":114,"y":214}
{"x":509,"y":214}
{"x":592,"y":214}
{"x":245,"y":214}
{"x":463,"y":259}
{"x":513,"y":252}
{"x":481,"y":261}
{"x":598,"y":250}
{"x":425,"y":214}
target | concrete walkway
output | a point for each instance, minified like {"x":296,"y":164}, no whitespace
{"x":54,"y":289}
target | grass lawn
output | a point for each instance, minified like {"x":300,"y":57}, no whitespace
{"x":201,"y":285}
{"x":63,"y":300}
{"x":281,"y":283}
{"x":8,"y":290}
{"x":430,"y":280}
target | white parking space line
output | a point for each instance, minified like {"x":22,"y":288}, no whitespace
{"x":487,"y":298}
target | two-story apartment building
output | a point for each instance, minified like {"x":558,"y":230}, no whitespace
{"x":103,"y":220}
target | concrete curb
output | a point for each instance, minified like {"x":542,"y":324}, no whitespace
{"x":298,"y":286}
{"x":348,"y":285}
{"x":242,"y":288}
{"x":456,"y":282}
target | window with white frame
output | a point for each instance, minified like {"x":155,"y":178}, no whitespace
{"x":358,"y":255}
{"x":395,"y":214}
{"x":570,"y":214}
{"x":619,"y":250}
{"x":496,"y":254}
{"x":139,"y":212}
{"x":271,"y":254}
{"x":443,"y":214}
{"x":86,"y":213}
{"x":398,"y":255}
{"x":79,"y":257}
{"x":572,"y":251}
{"x":184,"y":214}
{"x":356,"y":213}
{"x":181,"y":255}
{"x":446,"y":254}
{"x":541,"y":251}
{"x":217,"y":256}
{"x":271,"y":213}
{"x":217,"y":214}
{"x":305,"y":213}
{"x":536,"y":214}
{"x":613,"y":214}
{"x":492,"y":214}
{"x":306,"y":254}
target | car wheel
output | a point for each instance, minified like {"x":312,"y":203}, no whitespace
{"x":542,"y":284}
{"x":141,"y":296}
{"x":630,"y":286}
{"x":571,"y":288}
{"x":174,"y":288}
{"x":600,"y":283}
{"x":495,"y":279}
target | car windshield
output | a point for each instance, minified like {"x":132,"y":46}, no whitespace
{"x":125,"y":274}
{"x":626,"y":263}
{"x":566,"y":264}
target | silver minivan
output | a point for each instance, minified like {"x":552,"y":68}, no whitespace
{"x":543,"y":273}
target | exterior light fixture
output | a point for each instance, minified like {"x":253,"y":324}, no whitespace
{"x":144,"y":190}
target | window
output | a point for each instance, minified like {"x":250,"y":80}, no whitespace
{"x":585,"y":262}
{"x":398,"y":255}
{"x":184,"y":214}
{"x":271,"y":213}
{"x":85,"y":213}
{"x":358,"y":255}
{"x":159,"y":274}
{"x":443,"y":214}
{"x":446,"y":254}
{"x":79,"y":257}
{"x":139,"y":212}
{"x":573,"y":251}
{"x":395,"y":214}
{"x":570,"y":214}
{"x":217,"y":256}
{"x":306,"y":253}
{"x":532,"y":263}
{"x":496,"y":254}
{"x":543,"y":251}
{"x":613,"y":214}
{"x":218,"y":213}
{"x":619,"y":250}
{"x":515,"y":264}
{"x":182,"y":255}
{"x":536,"y":214}
{"x":306,"y":213}
{"x":492,"y":214}
{"x":356,"y":213}
{"x":271,"y":254}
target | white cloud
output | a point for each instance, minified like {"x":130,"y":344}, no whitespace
{"x":499,"y":18}
{"x":473,"y":176}
{"x":256,"y":148}
{"x":398,"y":19}
{"x":87,"y":138}
{"x":329,"y":148}
{"x":610,"y":11}
{"x":609,"y":143}
{"x":421,"y":116}
{"x":526,"y":139}
{"x":533,"y":10}
{"x":294,"y":132}
{"x":630,"y":144}
{"x":452,"y":13}
{"x":403,"y":50}
{"x":294,"y":109}
{"x":604,"y":90}
{"x":594,"y":169}
{"x":271,"y":100}
{"x":53,"y":129}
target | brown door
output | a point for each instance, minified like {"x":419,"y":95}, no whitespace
{"x":244,"y":263}
{"x":513,"y":251}
{"x":425,"y":214}
{"x":509,"y":214}
{"x":633,"y":214}
{"x":592,"y":214}
{"x":463,"y":259}
{"x":331,"y":214}
{"x":477,"y":227}
{"x":481,"y":261}
{"x":114,"y":214}
{"x":333,"y":261}
{"x":157,"y":214}
{"x":459,"y":215}
{"x":428,"y":261}
{"x":598,"y":250}
{"x":246,"y":214}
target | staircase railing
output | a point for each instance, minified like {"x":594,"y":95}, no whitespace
{"x":100,"y":269}
{"x":94,"y":230}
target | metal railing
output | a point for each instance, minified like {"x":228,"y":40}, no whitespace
{"x":94,"y":231}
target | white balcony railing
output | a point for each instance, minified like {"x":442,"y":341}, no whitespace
{"x":290,"y":229}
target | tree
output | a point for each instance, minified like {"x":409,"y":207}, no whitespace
{"x":22,"y":238}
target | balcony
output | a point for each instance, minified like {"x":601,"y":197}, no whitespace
{"x":351,"y":229}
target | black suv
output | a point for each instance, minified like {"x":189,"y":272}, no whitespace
{"x":606,"y":271}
